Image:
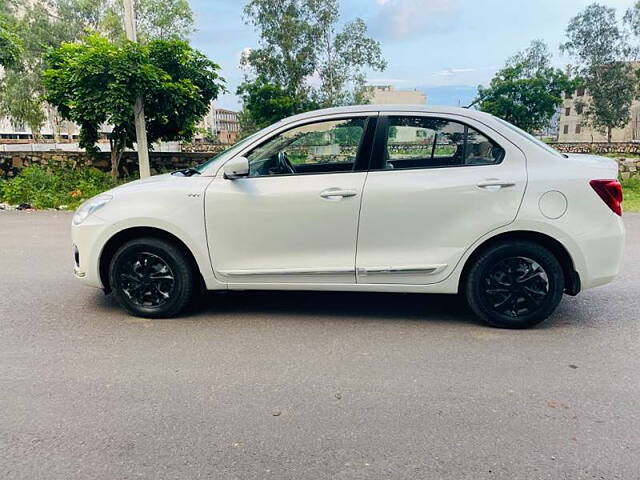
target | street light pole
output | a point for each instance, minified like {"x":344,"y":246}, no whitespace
{"x":138,"y":107}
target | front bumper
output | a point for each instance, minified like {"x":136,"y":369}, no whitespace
{"x":87,"y":246}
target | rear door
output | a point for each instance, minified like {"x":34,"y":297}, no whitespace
{"x":437,"y":184}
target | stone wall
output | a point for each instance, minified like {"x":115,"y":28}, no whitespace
{"x":629,"y":167}
{"x":199,"y":147}
{"x":12,"y":162}
{"x":598,"y":148}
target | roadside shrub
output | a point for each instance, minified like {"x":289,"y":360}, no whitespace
{"x":63,"y":188}
{"x":631,"y":188}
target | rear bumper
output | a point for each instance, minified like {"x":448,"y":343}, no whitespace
{"x":602,"y":255}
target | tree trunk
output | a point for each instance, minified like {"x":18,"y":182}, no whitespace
{"x":114,"y":164}
{"x":115,"y":155}
{"x":609,"y":131}
{"x":54,"y":120}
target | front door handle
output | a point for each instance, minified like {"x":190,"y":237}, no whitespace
{"x":493,"y":184}
{"x":337,"y":193}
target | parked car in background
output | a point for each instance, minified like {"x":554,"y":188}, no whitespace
{"x":369,"y":198}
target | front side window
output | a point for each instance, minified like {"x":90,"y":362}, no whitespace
{"x":425,"y":142}
{"x":321,"y":147}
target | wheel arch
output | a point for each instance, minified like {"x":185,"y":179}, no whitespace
{"x":123,"y":236}
{"x":572,"y":278}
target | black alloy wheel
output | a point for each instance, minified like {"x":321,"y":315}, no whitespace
{"x":152,"y":277}
{"x":146,"y":279}
{"x":514,"y":284}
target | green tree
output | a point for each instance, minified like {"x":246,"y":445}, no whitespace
{"x":342,"y":59}
{"x":155,"y":19}
{"x":527,"y":90}
{"x":42,"y":25}
{"x":10,"y":46}
{"x":265,"y":103}
{"x":601,"y":51}
{"x":95,"y":82}
{"x":21,"y":100}
{"x":22,"y":87}
{"x":300,"y":40}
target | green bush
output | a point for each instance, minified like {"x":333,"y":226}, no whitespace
{"x":631,"y":189}
{"x":64,"y":188}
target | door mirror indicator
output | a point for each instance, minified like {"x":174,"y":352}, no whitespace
{"x":236,"y":168}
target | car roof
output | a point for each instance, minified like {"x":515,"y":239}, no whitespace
{"x":467,"y":112}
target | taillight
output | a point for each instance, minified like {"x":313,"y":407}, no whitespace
{"x":610,"y":191}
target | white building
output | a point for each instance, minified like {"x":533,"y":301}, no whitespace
{"x":222,"y":124}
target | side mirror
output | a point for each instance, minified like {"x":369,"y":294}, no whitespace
{"x":236,"y":168}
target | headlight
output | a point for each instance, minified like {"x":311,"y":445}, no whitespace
{"x":90,"y":206}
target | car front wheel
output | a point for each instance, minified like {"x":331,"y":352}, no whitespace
{"x":514,"y":284}
{"x":151,"y":277}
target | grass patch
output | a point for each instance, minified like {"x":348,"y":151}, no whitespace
{"x":631,"y":195}
{"x":61,"y":188}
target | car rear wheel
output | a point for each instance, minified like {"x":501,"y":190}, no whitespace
{"x":514,"y":284}
{"x":151,"y":277}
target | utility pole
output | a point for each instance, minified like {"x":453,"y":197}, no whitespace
{"x":138,"y":108}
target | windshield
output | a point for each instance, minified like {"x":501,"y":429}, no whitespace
{"x":530,"y":137}
{"x":226,"y":153}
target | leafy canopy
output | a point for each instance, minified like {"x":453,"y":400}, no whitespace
{"x":266,"y":103}
{"x":300,"y":41}
{"x":10,"y":46}
{"x":95,"y":82}
{"x":41,"y":25}
{"x":527,"y":91}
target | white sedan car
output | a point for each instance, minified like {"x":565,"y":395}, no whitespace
{"x":369,"y":198}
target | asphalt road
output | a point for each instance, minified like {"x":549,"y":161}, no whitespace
{"x":307,"y":385}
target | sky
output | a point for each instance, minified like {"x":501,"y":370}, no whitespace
{"x":443,"y":47}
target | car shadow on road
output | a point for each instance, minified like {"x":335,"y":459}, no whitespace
{"x":360,"y":306}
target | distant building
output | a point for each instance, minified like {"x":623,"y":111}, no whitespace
{"x":573,"y":128}
{"x":387,"y":94}
{"x":222,"y":124}
{"x":54,"y":128}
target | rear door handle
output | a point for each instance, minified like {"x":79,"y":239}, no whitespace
{"x":493,"y":184}
{"x":337,"y":193}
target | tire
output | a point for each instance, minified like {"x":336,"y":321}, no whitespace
{"x":152,"y":278}
{"x":514,"y":284}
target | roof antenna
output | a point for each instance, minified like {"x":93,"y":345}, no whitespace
{"x":472,"y":104}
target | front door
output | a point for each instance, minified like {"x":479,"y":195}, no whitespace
{"x":437,"y":185}
{"x":294,"y":219}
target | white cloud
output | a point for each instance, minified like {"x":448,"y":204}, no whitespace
{"x":403,"y":18}
{"x":447,"y":72}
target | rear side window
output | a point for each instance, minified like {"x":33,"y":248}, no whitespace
{"x":428,"y":142}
